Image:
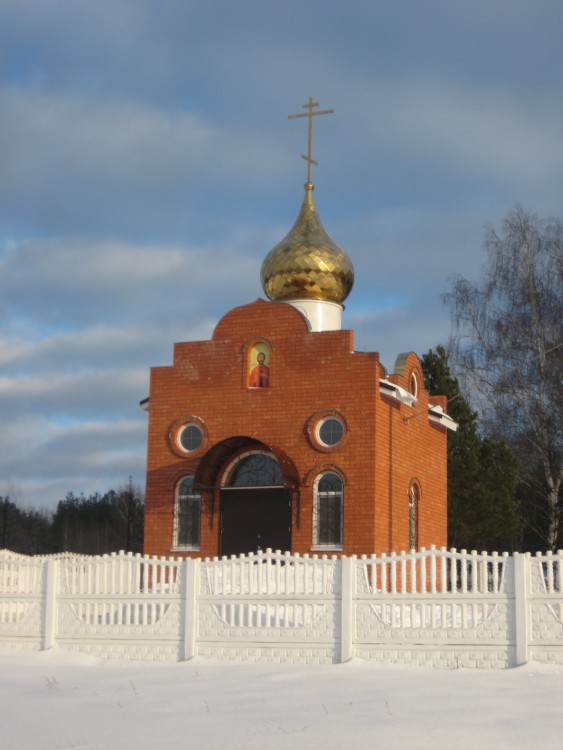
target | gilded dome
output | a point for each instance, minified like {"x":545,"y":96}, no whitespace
{"x":307,"y":263}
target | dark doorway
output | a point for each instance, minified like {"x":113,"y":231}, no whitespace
{"x":255,"y":518}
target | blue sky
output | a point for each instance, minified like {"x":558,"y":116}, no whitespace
{"x":147,"y":166}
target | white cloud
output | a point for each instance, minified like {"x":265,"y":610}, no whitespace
{"x":77,"y":162}
{"x":44,"y":460}
{"x":72,"y":282}
{"x":72,"y":160}
{"x":484,"y":131}
{"x":100,"y":347}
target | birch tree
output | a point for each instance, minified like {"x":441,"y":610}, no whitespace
{"x":507,"y":344}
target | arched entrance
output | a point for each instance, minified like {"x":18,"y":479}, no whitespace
{"x":255,"y":505}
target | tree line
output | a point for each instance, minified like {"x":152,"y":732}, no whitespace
{"x":89,"y":525}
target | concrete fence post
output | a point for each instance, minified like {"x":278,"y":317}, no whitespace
{"x":347,"y":607}
{"x":191,"y":577}
{"x":521,"y":610}
{"x":50,"y":604}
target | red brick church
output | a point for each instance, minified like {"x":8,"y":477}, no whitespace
{"x":277,"y":434}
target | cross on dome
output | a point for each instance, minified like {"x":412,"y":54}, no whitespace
{"x":310,"y":114}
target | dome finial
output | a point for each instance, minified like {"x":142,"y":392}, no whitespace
{"x":310,"y":114}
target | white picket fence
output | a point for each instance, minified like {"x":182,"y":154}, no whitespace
{"x":432,"y":607}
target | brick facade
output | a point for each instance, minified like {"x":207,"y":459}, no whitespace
{"x":387,"y":445}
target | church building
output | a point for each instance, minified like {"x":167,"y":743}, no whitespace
{"x":277,"y":434}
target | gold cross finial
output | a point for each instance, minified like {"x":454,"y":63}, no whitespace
{"x":310,"y":114}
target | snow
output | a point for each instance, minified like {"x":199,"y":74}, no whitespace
{"x":56,"y":700}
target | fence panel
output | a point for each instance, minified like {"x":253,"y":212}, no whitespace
{"x":435,"y":607}
{"x":432,"y":607}
{"x":269,"y":607}
{"x":120,"y":605}
{"x":545,"y":601}
{"x":22,"y":589}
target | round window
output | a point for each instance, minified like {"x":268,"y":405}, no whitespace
{"x":327,"y":430}
{"x":330,"y":431}
{"x":190,"y":437}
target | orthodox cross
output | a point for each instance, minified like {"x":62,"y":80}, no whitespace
{"x":310,"y":114}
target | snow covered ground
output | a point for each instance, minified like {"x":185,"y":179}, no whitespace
{"x":55,"y":700}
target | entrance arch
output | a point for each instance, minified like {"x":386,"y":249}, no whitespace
{"x":255,"y":504}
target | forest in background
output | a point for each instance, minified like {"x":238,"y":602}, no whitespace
{"x":89,"y":525}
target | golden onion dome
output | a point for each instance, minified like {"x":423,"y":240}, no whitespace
{"x":307,"y":263}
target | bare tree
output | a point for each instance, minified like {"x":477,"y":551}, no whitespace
{"x":507,"y":344}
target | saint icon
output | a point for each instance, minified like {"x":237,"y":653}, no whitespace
{"x":260,"y":374}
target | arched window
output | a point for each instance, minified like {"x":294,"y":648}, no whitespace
{"x":414,"y":497}
{"x":187,"y":515}
{"x":414,"y":384}
{"x":255,"y":470}
{"x":328,"y":510}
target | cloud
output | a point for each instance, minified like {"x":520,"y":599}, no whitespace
{"x":72,"y":161}
{"x":86,"y":457}
{"x":75,"y":163}
{"x":75,"y":281}
{"x":405,"y":329}
{"x":96,"y":393}
{"x":97,"y":348}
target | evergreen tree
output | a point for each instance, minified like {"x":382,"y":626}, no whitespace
{"x":26,"y":531}
{"x":92,"y":525}
{"x":482,"y":473}
{"x":98,"y":524}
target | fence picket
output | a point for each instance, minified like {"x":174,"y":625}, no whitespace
{"x":423,"y":560}
{"x":432,"y":570}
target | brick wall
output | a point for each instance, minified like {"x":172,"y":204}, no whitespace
{"x":388,"y":445}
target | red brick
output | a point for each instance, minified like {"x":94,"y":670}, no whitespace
{"x":389,"y":444}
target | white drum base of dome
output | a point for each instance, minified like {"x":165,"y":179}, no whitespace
{"x":319,"y":314}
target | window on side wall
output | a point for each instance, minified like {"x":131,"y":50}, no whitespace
{"x":328,"y":511}
{"x":414,"y":499}
{"x":187,"y":515}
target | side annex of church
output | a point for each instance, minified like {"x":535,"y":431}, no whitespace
{"x":277,"y":434}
